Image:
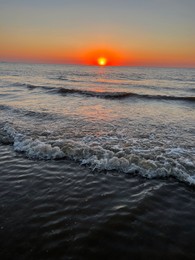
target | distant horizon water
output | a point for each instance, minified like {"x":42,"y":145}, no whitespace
{"x":90,"y":65}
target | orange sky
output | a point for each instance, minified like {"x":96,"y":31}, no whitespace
{"x":160,"y":33}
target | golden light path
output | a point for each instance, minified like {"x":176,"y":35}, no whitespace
{"x":102,"y":61}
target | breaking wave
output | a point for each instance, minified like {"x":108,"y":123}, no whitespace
{"x":156,"y":162}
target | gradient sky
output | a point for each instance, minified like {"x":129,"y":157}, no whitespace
{"x":128,"y":32}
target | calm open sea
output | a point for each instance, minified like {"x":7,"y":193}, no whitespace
{"x":96,"y":162}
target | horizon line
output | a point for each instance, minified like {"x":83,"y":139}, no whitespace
{"x":92,"y":65}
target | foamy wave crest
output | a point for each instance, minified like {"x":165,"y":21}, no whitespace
{"x":101,"y":156}
{"x":34,"y":149}
{"x":121,"y":160}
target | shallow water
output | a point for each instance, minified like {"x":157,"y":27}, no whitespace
{"x":60,"y":210}
{"x":96,"y":162}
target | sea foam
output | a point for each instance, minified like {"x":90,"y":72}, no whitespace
{"x":151,"y":163}
{"x":34,"y":149}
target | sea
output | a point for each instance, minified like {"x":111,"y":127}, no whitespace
{"x":96,"y":162}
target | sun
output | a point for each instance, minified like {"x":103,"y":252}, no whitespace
{"x":102,"y":61}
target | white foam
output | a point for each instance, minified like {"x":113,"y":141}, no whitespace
{"x":100,"y":159}
{"x":98,"y":155}
{"x":33,"y":148}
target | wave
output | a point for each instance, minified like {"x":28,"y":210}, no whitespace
{"x":31,"y":86}
{"x":62,"y":78}
{"x":107,"y":95}
{"x":121,"y":95}
{"x":30,"y":113}
{"x":88,"y":93}
{"x":154,"y":163}
{"x":34,"y":149}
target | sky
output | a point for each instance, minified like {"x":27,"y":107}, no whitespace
{"x":126,"y":32}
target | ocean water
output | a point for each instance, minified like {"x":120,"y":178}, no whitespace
{"x":96,"y":162}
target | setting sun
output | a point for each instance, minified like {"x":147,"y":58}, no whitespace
{"x":102,"y":61}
